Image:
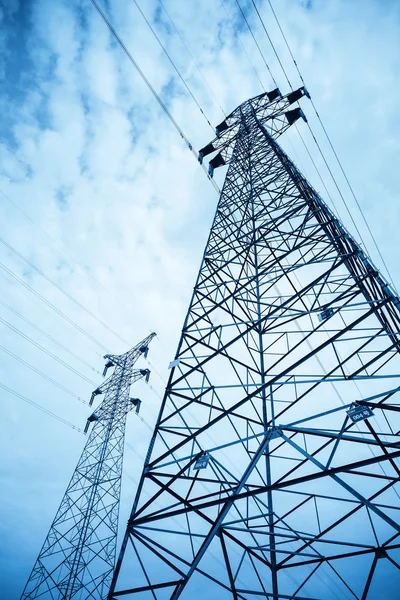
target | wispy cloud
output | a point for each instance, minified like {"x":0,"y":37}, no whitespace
{"x":87,"y":153}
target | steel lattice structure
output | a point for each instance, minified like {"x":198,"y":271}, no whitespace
{"x":78,"y":556}
{"x":273,"y":469}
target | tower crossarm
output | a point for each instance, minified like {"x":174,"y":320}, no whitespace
{"x":109,"y":388}
{"x":271,"y":108}
{"x":129,"y":358}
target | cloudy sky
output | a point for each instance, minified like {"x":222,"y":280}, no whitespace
{"x":105,"y":211}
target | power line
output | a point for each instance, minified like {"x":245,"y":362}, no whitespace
{"x":83,"y":267}
{"x":192,"y":57}
{"x":270,"y":41}
{"x":256,"y":43}
{"x":43,"y":349}
{"x":134,"y":451}
{"x":336,"y":185}
{"x":153,"y":91}
{"x":316,"y":168}
{"x":36,"y":405}
{"x":67,"y":294}
{"x":52,"y":339}
{"x":135,"y":481}
{"x":352,"y":192}
{"x":312,"y":133}
{"x":331,"y":144}
{"x":51,"y":305}
{"x":243,"y":48}
{"x":173,"y":64}
{"x":26,"y":364}
{"x":286,"y":42}
{"x":63,"y":250}
{"x":145,"y":422}
{"x":291,"y":87}
{"x":80,"y":265}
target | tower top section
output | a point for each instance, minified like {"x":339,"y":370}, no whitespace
{"x":128,"y":359}
{"x":271,"y":109}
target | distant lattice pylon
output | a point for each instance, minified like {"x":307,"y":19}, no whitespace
{"x":77,"y":558}
{"x":273,"y":469}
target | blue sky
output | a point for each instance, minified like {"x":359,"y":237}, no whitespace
{"x":98,"y":191}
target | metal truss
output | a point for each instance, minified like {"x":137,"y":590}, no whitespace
{"x":273,"y":471}
{"x":78,"y":556}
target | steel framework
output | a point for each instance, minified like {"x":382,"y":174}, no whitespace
{"x":78,"y":556}
{"x":273,"y":469}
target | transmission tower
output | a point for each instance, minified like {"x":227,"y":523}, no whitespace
{"x":77,"y":558}
{"x":273,"y":469}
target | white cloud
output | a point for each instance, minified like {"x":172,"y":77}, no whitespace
{"x":136,"y":207}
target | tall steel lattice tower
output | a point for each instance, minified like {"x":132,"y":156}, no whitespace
{"x":273,"y":469}
{"x":78,"y":556}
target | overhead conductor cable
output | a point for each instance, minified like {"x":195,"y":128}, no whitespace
{"x":151,"y":88}
{"x":332,"y":147}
